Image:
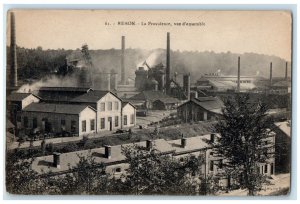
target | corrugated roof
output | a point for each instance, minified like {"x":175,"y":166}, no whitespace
{"x":55,"y":108}
{"x":91,"y":96}
{"x":18,"y":96}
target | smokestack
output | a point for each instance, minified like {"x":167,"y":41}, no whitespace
{"x":123,"y":81}
{"x":187,"y":85}
{"x":212,"y":137}
{"x":108,"y":81}
{"x":286,"y":70}
{"x":107,"y":151}
{"x":168,"y":65}
{"x":56,"y":159}
{"x":113,"y":79}
{"x":271,"y":74}
{"x":13,"y":52}
{"x":239,"y":74}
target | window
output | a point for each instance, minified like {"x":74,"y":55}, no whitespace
{"x":266,"y":168}
{"x":102,"y":106}
{"x":18,"y":118}
{"x":63,"y":122}
{"x":109,"y":106}
{"x":25,"y":122}
{"x":116,"y":105}
{"x":116,"y":121}
{"x":34,"y":123}
{"x":125,"y":119}
{"x":132,"y":119}
{"x":83,"y":124}
{"x":73,"y":126}
{"x":211,"y":166}
{"x":102,"y":125}
{"x":92,"y":122}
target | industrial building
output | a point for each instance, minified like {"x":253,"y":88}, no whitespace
{"x":200,"y":109}
{"x":116,"y":164}
{"x":154,"y":100}
{"x":74,"y":120}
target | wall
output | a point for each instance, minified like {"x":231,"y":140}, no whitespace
{"x":55,"y":120}
{"x":128,"y":110}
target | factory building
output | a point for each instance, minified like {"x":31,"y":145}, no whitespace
{"x":75,"y":120}
{"x":16,"y":102}
{"x":200,"y":109}
{"x":109,"y":109}
{"x":116,"y":164}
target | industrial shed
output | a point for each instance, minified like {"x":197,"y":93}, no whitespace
{"x":165,"y":104}
{"x":148,"y":97}
{"x":200,"y":109}
{"x":76,"y":120}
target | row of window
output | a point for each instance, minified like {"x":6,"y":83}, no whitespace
{"x":92,"y":125}
{"x":110,"y":106}
{"x":109,"y":119}
{"x":46,"y":124}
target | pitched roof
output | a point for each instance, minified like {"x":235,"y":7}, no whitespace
{"x":150,"y":96}
{"x":19,"y":96}
{"x":56,"y":108}
{"x":91,"y":96}
{"x":212,"y":104}
{"x":282,"y":84}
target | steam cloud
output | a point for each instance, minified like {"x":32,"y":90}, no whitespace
{"x":50,"y":81}
{"x":152,"y":59}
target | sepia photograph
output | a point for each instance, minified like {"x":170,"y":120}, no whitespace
{"x":148,"y":102}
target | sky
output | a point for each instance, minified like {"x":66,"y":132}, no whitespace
{"x":262,"y":32}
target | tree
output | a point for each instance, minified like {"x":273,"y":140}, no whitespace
{"x":244,"y":141}
{"x":151,"y":172}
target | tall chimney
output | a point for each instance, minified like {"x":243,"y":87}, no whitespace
{"x":123,"y":82}
{"x":271,"y":74}
{"x":187,"y":85}
{"x":239,"y":74}
{"x":286,"y":70}
{"x":168,"y":65}
{"x":108,"y":81}
{"x":183,"y":142}
{"x":13,"y":52}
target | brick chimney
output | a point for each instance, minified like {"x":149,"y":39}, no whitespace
{"x":149,"y":144}
{"x":212,"y":137}
{"x":107,"y":151}
{"x":56,"y":159}
{"x":183,"y":142}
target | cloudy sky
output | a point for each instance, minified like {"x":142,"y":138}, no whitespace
{"x":263,"y":32}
